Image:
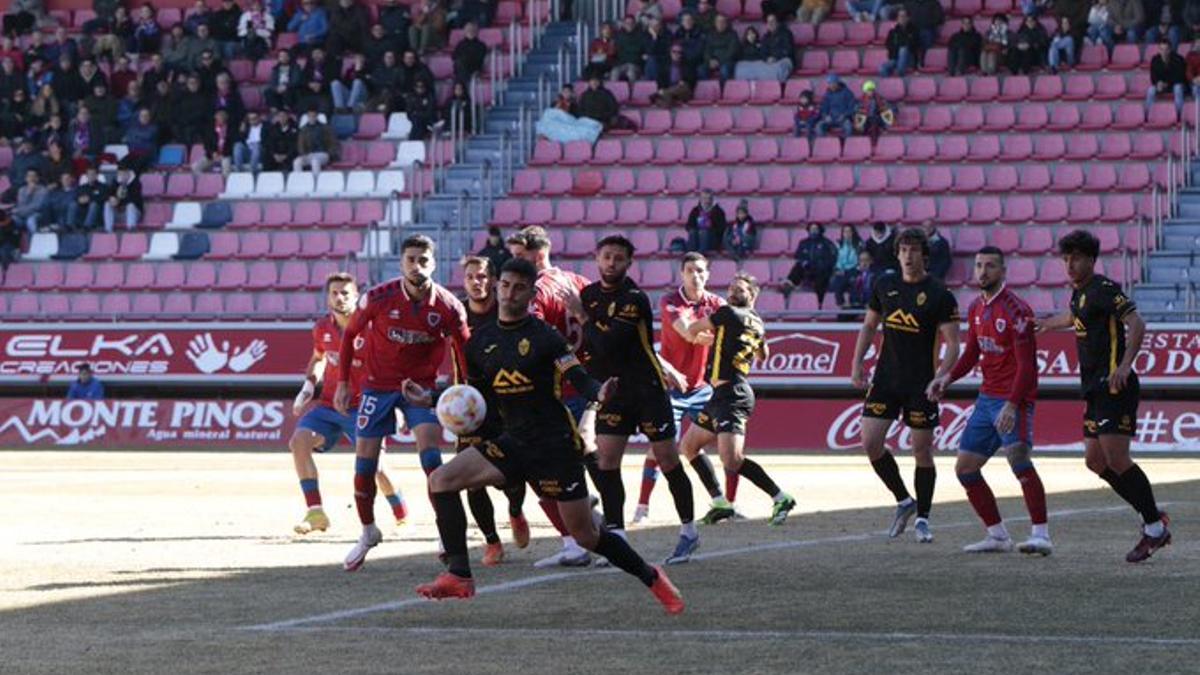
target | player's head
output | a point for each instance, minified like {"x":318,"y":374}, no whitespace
{"x":537,"y":246}
{"x":478,"y":277}
{"x":693,"y":268}
{"x":515,"y":243}
{"x":912,"y":250}
{"x":1079,"y":251}
{"x":341,"y":293}
{"x":516,"y":288}
{"x":614,"y":255}
{"x":989,"y":268}
{"x":743,"y":290}
{"x":417,"y":260}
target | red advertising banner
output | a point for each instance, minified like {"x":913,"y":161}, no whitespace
{"x":802,"y":354}
{"x":256,"y":424}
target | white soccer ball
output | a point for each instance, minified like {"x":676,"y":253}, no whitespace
{"x":461,"y":409}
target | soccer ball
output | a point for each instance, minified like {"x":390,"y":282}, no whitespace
{"x":461,"y":409}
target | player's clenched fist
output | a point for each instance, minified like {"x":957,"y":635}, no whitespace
{"x":341,"y":398}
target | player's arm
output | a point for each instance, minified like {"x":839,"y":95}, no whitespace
{"x":1135,"y":330}
{"x":312,"y":377}
{"x":460,"y":333}
{"x":866,"y":335}
{"x":948,"y":330}
{"x":358,"y":322}
{"x":674,"y":377}
{"x":682,"y":321}
{"x":567,"y":365}
{"x":699,"y":327}
{"x":1057,"y":322}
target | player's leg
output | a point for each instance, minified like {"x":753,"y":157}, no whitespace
{"x":979,"y":442}
{"x":1018,"y":448}
{"x":878,"y":416}
{"x":302,"y":444}
{"x":516,"y":514}
{"x":483,"y":512}
{"x":393,"y":496}
{"x":698,"y":435}
{"x":610,"y":448}
{"x":376,"y":420}
{"x":924,"y":480}
{"x":732,"y":446}
{"x":1155,"y":534}
{"x":467,"y":470}
{"x":649,"y":478}
{"x":571,"y":554}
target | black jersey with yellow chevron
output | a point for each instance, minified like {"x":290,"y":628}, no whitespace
{"x":739,"y":337}
{"x":912,"y":314}
{"x":619,"y":334}
{"x":1098,"y":311}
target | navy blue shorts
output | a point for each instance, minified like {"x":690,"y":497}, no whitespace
{"x":377,"y":414}
{"x":329,"y":424}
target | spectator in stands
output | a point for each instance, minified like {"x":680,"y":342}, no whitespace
{"x":479,"y":12}
{"x":191,"y":112}
{"x":219,"y":142}
{"x":113,"y":34}
{"x":256,"y":28}
{"x":995,"y":45}
{"x":128,"y":106}
{"x":45,"y":105}
{"x":57,"y":163}
{"x":741,"y":236}
{"x":602,"y":53}
{"x":458,"y":109}
{"x":691,"y":38}
{"x":24,"y":16}
{"x":35,"y":48}
{"x":177,"y":49}
{"x":61,"y":211}
{"x":248,"y":151}
{"x":226,"y":97}
{"x":706,"y":224}
{"x":26,"y":159}
{"x":30,"y":199}
{"x":1127,"y":17}
{"x":349,"y":25}
{"x":1100,"y":27}
{"x":939,"y":251}
{"x":147,"y":35}
{"x":394,"y":18}
{"x":62,"y":45}
{"x":780,"y":46}
{"x":1190,"y":17}
{"x":651,"y":11}
{"x":429,"y":30}
{"x":962,"y":53}
{"x":85,"y":136}
{"x":721,"y":50}
{"x":598,"y":103}
{"x":903,"y":45}
{"x":1029,"y":48}
{"x":384,"y":83}
{"x":814,"y":11}
{"x":316,"y":143}
{"x":469,"y":54}
{"x":86,"y":386}
{"x":882,"y":247}
{"x":142,"y":137}
{"x":815,"y":259}
{"x":928,"y":16}
{"x":845,"y":268}
{"x":91,"y":196}
{"x":676,"y":81}
{"x":632,"y":51}
{"x":66,"y":84}
{"x":1168,"y":74}
{"x":806,"y":117}
{"x":14,"y":114}
{"x":162,"y":110}
{"x":561,"y":123}
{"x":198,"y":15}
{"x":378,"y":43}
{"x":53,"y":131}
{"x":658,"y":49}
{"x":202,"y":45}
{"x":281,"y":90}
{"x":862,"y":283}
{"x":350,"y":91}
{"x":223,"y":25}
{"x":706,"y":16}
{"x":1166,"y":28}
{"x":156,"y":73}
{"x":1193,"y":69}
{"x":421,"y":108}
{"x":780,"y":9}
{"x":311,"y":24}
{"x":122,"y":76}
{"x":10,"y":242}
{"x":494,"y":249}
{"x":11,"y":77}
{"x":279,"y":142}
{"x":412,"y":69}
{"x":837,"y":108}
{"x":103,"y":109}
{"x":1062,"y":46}
{"x":319,"y":73}
{"x":126,"y":198}
{"x":875,"y":114}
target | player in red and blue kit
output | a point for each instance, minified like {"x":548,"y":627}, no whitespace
{"x":320,"y":428}
{"x":1000,"y":338}
{"x":406,"y":324}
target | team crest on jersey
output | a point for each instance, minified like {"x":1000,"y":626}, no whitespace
{"x":523,"y":347}
{"x":1001,"y":324}
{"x":394,"y":314}
{"x":359,"y":341}
{"x":433,"y":319}
{"x":327,"y":338}
{"x":920,"y":298}
{"x":511,"y":382}
{"x":903,"y":321}
{"x":1082,"y":300}
{"x":612,"y":308}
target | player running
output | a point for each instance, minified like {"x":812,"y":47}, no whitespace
{"x":479,"y":280}
{"x":406,"y":323}
{"x":914,"y":309}
{"x":520,"y":363}
{"x":739,"y":339}
{"x":683,"y":358}
{"x":618,"y":325}
{"x":1000,"y":337}
{"x":321,"y":427}
{"x":1108,"y":332}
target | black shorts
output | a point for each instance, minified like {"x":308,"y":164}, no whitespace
{"x":555,"y":471}
{"x":729,"y":409}
{"x":1109,"y":413}
{"x":918,"y":412}
{"x":637,"y":408}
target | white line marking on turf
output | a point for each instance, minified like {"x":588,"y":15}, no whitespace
{"x":330,"y":617}
{"x":748,"y":635}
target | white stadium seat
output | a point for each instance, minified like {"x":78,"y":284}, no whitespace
{"x":408,"y":152}
{"x":238,"y":186}
{"x":299,"y":184}
{"x":331,"y":183}
{"x":381,"y":248}
{"x":389,"y":181}
{"x":360,"y":184}
{"x":42,"y":246}
{"x":163,"y":246}
{"x":398,"y":127}
{"x":185,"y":215}
{"x":270,"y":184}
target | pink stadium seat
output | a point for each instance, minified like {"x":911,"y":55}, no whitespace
{"x":568,"y":212}
{"x":831,"y":34}
{"x":644,"y":240}
{"x":600,"y":212}
{"x":968,"y":240}
{"x":762,"y":151}
{"x":103,"y":246}
{"x":1017,"y":147}
{"x":115,"y":305}
{"x":1033,"y":178}
{"x":1064,"y":118}
{"x":664,"y":212}
{"x":700,"y":151}
{"x":284,"y":245}
{"x":937,"y":179}
{"x":779,"y":120}
{"x":844,"y":61}
{"x":1052,"y":209}
{"x":133,"y":246}
{"x":764,"y":93}
{"x":245,"y":214}
{"x":47,"y":276}
{"x":681,"y":181}
{"x":82,"y":305}
{"x":153,"y":185}
{"x":200,"y":276}
{"x":1144,"y":146}
{"x":1016,"y":88}
{"x":1052,"y":273}
{"x":209,"y":305}
{"x":656,"y":273}
{"x":239,"y":304}
{"x":270,"y":305}
{"x":146,"y":305}
{"x":774,"y":241}
{"x":952,"y":90}
{"x":838,"y":180}
{"x":1037,"y":241}
{"x":180,"y":185}
{"x":1162,"y":116}
{"x":314,"y":245}
{"x":814,"y":62}
{"x":1125,"y":57}
{"x":706,"y":93}
{"x":952,"y":149}
{"x":302,"y":304}
{"x":1017,"y":209}
{"x":1067,"y":178}
{"x":76,"y":276}
{"x":157,"y":215}
{"x":306,"y":214}
{"x":826,"y":149}
{"x":168,"y":276}
{"x":656,"y":122}
{"x":1021,"y":271}
{"x":209,"y":185}
{"x":527,"y":182}
{"x":823,"y":210}
{"x":1001,"y":178}
{"x":689,"y":121}
{"x":937,"y":119}
{"x":736,"y":92}
{"x":631,"y":213}
{"x":260,"y":275}
{"x":872,"y":179}
{"x":253,"y":245}
{"x":1005,"y":238}
{"x":370,"y":126}
{"x":619,"y":182}
{"x":338,"y":213}
{"x":1109,"y":87}
{"x":856,"y":149}
{"x":1078,"y":88}
{"x":1047,"y":88}
{"x":904,"y":179}
{"x":983,"y":148}
{"x":748,"y":121}
{"x":777,"y":180}
{"x":887,"y":209}
{"x":999,"y":117}
{"x":920,"y":148}
{"x":985,"y":210}
{"x":856,"y":210}
{"x":52,"y":304}
{"x":792,"y":210}
{"x":1082,"y":147}
{"x":607,"y":151}
{"x":139,"y":276}
{"x":638,"y":151}
{"x":545,"y":152}
{"x":1119,"y":146}
{"x":716,"y":180}
{"x":1118,"y":208}
{"x":276,"y":213}
{"x":920,"y":90}
{"x":953,"y":210}
{"x":1134,"y":178}
{"x":232,"y":276}
{"x":745,"y":181}
{"x":1031,"y":117}
{"x":1095,"y":117}
{"x":794,"y":150}
{"x":669,"y":151}
{"x":936,"y":60}
{"x":983,"y":89}
{"x":369,"y":211}
{"x":579,"y":243}
{"x":576,"y":153}
{"x":556,"y":182}
{"x":1130,"y":116}
{"x":920,"y":209}
{"x":1101,"y":178}
{"x":1049,"y":147}
{"x":732,"y":151}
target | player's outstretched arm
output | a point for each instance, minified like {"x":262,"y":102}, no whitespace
{"x":866,"y":335}
{"x":699,"y":327}
{"x":1056,"y":322}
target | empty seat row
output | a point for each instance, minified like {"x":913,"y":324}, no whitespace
{"x":283,"y":245}
{"x":120,"y":306}
{"x":169,"y":276}
{"x":272,"y":184}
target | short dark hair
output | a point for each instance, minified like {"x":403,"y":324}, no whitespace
{"x":992,"y":250}
{"x":536,"y":238}
{"x":418,"y":241}
{"x":339,"y":277}
{"x":84,"y":367}
{"x":913,"y":236}
{"x":516,"y":238}
{"x":691,"y":257}
{"x":522,"y":268}
{"x":484,"y":261}
{"x":748,"y":279}
{"x":1080,"y":241}
{"x":617,"y":240}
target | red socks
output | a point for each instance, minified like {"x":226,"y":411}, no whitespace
{"x":981,"y":497}
{"x":1035,"y":494}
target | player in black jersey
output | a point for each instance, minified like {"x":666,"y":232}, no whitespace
{"x":1108,"y":332}
{"x":739,"y":339}
{"x":520,"y":363}
{"x":618,"y":330}
{"x":479,"y":280}
{"x":914,"y":309}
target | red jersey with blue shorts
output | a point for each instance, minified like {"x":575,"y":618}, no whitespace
{"x":1000,"y":338}
{"x":322,"y":419}
{"x":688,"y":358}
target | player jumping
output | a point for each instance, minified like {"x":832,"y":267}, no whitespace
{"x":319,"y":429}
{"x":406,"y":324}
{"x":1000,"y":337}
{"x":1108,"y":332}
{"x":520,"y":363}
{"x":738,"y":339}
{"x":914,"y":309}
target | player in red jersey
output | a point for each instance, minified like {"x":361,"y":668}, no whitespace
{"x":683,"y":360}
{"x":551,"y":290}
{"x":1000,"y":338}
{"x":406,"y":323}
{"x":320,"y":428}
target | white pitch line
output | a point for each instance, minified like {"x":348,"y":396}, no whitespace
{"x":329,"y":617}
{"x":750,"y":635}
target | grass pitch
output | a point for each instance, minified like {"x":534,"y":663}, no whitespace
{"x":140,"y":562}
